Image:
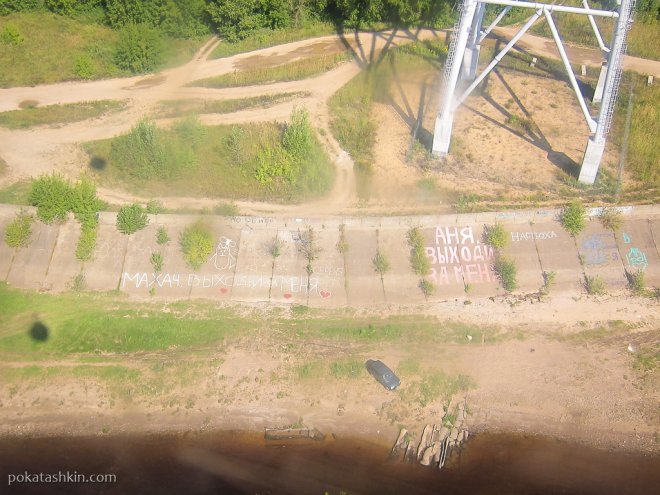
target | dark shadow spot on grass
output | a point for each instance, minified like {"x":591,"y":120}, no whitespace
{"x":98,"y":163}
{"x":39,"y":331}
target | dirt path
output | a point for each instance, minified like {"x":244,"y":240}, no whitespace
{"x":578,"y":55}
{"x":35,"y":151}
{"x":42,"y":149}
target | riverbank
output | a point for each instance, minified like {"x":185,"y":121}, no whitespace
{"x":243,"y":462}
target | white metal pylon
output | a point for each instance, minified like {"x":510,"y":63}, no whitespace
{"x":463,"y":56}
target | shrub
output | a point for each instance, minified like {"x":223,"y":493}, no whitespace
{"x":611,"y":219}
{"x":342,"y":243}
{"x":227,"y":209}
{"x":162,"y":237}
{"x":79,"y":282}
{"x":298,"y":138}
{"x":573,"y":217}
{"x":196,"y":244}
{"x":420,"y":263}
{"x":84,"y":204}
{"x":19,"y":230}
{"x":154,"y":207}
{"x":637,"y":282}
{"x":308,"y":248}
{"x":87,"y":242}
{"x":496,"y":236}
{"x":11,"y":35}
{"x":139,"y":48}
{"x":51,"y":195}
{"x":428,"y":289}
{"x":84,"y":67}
{"x":131,"y":218}
{"x":507,"y":272}
{"x":594,"y":285}
{"x":156,"y":262}
{"x":548,"y":281}
{"x":380,"y":263}
{"x":275,"y":248}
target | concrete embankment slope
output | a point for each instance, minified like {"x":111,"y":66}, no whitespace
{"x":242,"y":269}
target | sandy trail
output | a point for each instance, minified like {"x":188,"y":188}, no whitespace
{"x":38,"y":150}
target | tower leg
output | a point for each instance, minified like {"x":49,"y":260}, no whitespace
{"x":471,"y":57}
{"x":442,"y":134}
{"x":591,"y":161}
{"x":600,"y":85}
{"x":443,"y":123}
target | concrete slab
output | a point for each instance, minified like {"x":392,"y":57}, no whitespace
{"x":638,"y":248}
{"x":401,"y":284}
{"x":460,"y":259}
{"x":600,"y":256}
{"x":64,"y":265}
{"x":254,"y":266}
{"x":30,"y":265}
{"x":364,"y":285}
{"x":522,"y":249}
{"x":138,"y":276}
{"x":329,"y":270}
{"x":291,"y":284}
{"x":558,"y":253}
{"x":104,"y":271}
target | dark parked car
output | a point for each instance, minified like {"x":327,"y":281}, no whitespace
{"x":383,"y":374}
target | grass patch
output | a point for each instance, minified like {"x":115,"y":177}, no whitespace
{"x":17,"y":193}
{"x":251,"y":161}
{"x":271,"y":37}
{"x":59,"y":114}
{"x":496,"y":236}
{"x":574,"y":217}
{"x":176,"y":108}
{"x":60,"y":48}
{"x":292,"y":71}
{"x":435,"y":385}
{"x":647,"y":360}
{"x":97,"y":323}
{"x":347,"y":368}
{"x":420,"y":263}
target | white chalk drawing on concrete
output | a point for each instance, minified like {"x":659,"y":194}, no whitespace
{"x":529,"y":235}
{"x":224,"y":257}
{"x":458,"y":257}
{"x":286,"y":284}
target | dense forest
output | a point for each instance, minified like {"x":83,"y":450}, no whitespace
{"x":237,"y":19}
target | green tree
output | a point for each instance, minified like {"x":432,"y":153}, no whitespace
{"x":139,"y":48}
{"x":238,"y":19}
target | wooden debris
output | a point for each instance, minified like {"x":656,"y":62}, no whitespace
{"x":293,"y":433}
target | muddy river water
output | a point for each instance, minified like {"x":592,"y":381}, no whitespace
{"x":239,"y":462}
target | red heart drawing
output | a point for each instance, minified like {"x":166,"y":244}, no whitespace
{"x":224,"y":290}
{"x":287,"y":296}
{"x":325,"y":294}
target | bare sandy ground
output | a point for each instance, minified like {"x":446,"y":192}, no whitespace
{"x":558,"y":368}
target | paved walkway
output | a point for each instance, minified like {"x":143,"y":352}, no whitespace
{"x":241,"y":268}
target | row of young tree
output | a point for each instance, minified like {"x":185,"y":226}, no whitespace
{"x":237,"y":19}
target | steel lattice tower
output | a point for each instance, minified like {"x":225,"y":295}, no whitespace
{"x":463,"y":58}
